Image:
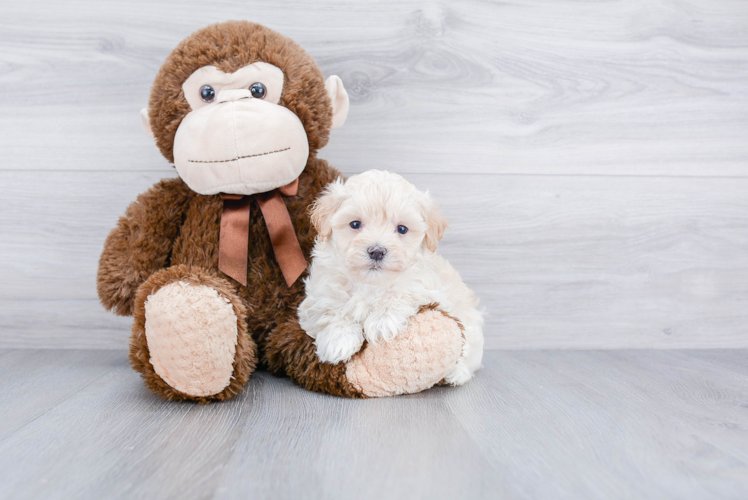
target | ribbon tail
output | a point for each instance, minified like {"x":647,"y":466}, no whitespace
{"x":283,"y":237}
{"x":234,"y":238}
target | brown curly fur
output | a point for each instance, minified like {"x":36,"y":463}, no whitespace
{"x":143,"y":239}
{"x":141,"y":243}
{"x":290,"y":351}
{"x":230,"y":46}
{"x":245,"y":359}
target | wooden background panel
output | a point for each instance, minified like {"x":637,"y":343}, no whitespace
{"x":559,"y":261}
{"x":616,"y":87}
{"x":591,"y":156}
{"x":61,"y":324}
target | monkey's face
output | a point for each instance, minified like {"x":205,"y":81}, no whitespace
{"x":237,"y":139}
{"x":240,"y":108}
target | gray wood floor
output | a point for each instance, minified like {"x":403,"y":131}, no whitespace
{"x":532,"y":424}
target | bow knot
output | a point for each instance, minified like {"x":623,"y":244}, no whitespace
{"x":233,"y":247}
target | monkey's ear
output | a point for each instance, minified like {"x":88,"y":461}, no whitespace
{"x":146,"y":121}
{"x":339,"y":99}
{"x":436,"y":224}
{"x":325,"y":207}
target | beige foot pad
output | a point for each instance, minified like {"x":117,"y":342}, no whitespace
{"x":191,"y":333}
{"x":415,"y":360}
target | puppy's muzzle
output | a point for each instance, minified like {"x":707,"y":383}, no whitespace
{"x":376,"y":253}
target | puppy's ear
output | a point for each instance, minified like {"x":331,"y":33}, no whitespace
{"x":325,"y":206}
{"x":436,"y":224}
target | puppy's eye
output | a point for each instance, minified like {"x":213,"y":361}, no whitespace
{"x":207,"y":93}
{"x":356,"y":224}
{"x":402,"y":229}
{"x":258,"y":90}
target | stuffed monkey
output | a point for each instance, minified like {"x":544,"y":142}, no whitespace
{"x":210,"y":264}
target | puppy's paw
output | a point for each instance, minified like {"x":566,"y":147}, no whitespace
{"x":384,"y":325}
{"x":339,"y":343}
{"x":459,"y":374}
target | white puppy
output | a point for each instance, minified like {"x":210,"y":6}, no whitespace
{"x":374,"y":266}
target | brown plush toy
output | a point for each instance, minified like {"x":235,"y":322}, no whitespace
{"x":210,"y":264}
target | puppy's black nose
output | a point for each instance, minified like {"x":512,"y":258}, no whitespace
{"x":376,"y":253}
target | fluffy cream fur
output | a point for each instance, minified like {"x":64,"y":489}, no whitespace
{"x":191,"y":332}
{"x":351,"y":297}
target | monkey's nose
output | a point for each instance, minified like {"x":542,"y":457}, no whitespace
{"x":376,"y":253}
{"x":233,"y":95}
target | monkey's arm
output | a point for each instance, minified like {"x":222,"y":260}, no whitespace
{"x":141,"y":243}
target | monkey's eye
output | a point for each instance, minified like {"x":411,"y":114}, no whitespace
{"x":402,"y":229}
{"x":356,"y":224}
{"x":207,"y":93}
{"x":258,"y":90}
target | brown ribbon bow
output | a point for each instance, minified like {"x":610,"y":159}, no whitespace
{"x":233,"y":246}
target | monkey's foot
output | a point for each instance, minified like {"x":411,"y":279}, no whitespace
{"x":415,"y":360}
{"x":189,"y":337}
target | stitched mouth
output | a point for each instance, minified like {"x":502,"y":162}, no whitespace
{"x":240,"y":157}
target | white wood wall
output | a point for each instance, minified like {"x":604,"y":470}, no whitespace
{"x":591,"y":156}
